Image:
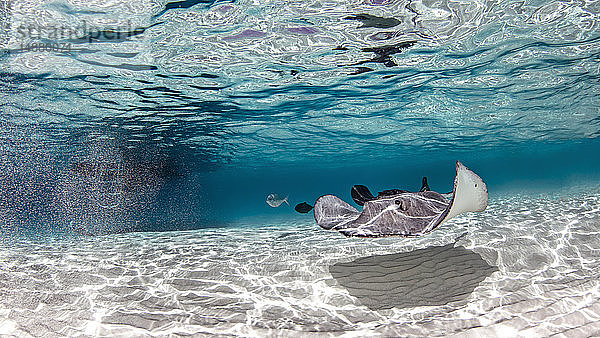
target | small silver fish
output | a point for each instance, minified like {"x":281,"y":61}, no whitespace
{"x":275,"y":200}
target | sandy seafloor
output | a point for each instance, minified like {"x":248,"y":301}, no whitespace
{"x":527,"y":266}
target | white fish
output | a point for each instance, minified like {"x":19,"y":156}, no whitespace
{"x":275,"y":200}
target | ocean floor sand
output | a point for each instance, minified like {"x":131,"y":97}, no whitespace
{"x":527,"y":265}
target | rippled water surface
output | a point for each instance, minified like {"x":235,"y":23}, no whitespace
{"x":139,"y":140}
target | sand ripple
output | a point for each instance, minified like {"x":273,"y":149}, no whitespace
{"x":530,"y":267}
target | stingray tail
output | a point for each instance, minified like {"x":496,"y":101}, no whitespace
{"x":286,"y":200}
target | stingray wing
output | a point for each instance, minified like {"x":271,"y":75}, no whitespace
{"x":331,"y":212}
{"x":469,"y":194}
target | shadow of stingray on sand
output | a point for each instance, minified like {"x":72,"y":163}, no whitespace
{"x":426,"y":277}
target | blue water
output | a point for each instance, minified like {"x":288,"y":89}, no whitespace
{"x":140,"y":139}
{"x":193,"y":112}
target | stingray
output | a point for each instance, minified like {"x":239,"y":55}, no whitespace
{"x":403,"y":213}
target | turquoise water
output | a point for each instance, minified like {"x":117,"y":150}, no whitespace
{"x":145,"y":120}
{"x":203,"y":109}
